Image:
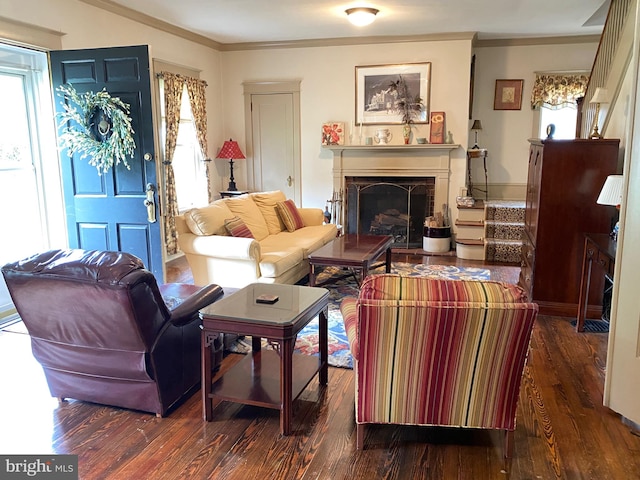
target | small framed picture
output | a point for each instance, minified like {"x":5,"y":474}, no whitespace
{"x":333,"y":133}
{"x":508,"y":95}
{"x":437,"y":127}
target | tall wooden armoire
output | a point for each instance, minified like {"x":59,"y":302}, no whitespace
{"x":564,"y":180}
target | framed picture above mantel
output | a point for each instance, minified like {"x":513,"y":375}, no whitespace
{"x":376,"y":100}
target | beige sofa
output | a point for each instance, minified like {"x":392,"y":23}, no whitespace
{"x":274,"y":255}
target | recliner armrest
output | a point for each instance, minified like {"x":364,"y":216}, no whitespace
{"x":184,"y":312}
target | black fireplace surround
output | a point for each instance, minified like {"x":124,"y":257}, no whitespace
{"x":394,"y":206}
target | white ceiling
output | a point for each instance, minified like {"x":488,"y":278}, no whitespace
{"x":239,"y":21}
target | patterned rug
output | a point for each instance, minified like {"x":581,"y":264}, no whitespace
{"x":594,"y":326}
{"x":339,"y":354}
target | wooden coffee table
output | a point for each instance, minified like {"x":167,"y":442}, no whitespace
{"x":353,"y":251}
{"x":265,"y":378}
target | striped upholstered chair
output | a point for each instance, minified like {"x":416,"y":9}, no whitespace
{"x":438,"y":352}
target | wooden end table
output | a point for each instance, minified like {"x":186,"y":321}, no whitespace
{"x":232,"y":193}
{"x":357,"y":252}
{"x":599,"y":248}
{"x":265,"y":378}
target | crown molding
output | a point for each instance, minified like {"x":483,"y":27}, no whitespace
{"x":346,"y":41}
{"x":144,"y":19}
{"x":526,"y":41}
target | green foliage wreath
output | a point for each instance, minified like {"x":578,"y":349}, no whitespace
{"x":99,"y":128}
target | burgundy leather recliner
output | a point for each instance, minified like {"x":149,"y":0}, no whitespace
{"x":101,"y":329}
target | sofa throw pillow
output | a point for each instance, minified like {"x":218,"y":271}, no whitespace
{"x":290,"y":215}
{"x":245,"y":208}
{"x":266,"y":202}
{"x":208,"y":220}
{"x":237,"y":228}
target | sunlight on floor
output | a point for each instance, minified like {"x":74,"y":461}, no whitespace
{"x":21,"y":406}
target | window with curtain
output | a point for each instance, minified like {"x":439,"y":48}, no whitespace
{"x":555,"y":96}
{"x":188,"y":165}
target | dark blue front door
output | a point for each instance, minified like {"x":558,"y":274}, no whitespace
{"x":108,"y":211}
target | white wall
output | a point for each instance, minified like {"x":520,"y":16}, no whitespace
{"x":327,"y":77}
{"x":505,"y":132}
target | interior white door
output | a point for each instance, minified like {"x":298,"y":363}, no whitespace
{"x":276,"y":158}
{"x":622,"y":384}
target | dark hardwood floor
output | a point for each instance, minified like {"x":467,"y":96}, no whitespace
{"x":563,"y":430}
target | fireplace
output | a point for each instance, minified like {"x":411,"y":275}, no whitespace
{"x":417,"y":176}
{"x":394,"y":206}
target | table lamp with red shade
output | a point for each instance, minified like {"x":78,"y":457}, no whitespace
{"x":231,"y":150}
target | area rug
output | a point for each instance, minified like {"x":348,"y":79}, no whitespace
{"x":594,"y":326}
{"x":339,"y":354}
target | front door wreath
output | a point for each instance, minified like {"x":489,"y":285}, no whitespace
{"x":97,"y":127}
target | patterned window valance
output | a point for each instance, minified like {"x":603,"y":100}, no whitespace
{"x":558,"y":91}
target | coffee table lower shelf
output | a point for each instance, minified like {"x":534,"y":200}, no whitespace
{"x":255,"y":380}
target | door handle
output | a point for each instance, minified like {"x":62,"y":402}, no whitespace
{"x":150,"y":203}
{"x":289,"y":180}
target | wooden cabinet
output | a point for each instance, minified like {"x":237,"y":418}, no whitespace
{"x":564,"y":180}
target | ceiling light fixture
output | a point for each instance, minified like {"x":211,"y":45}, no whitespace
{"x":361,"y":16}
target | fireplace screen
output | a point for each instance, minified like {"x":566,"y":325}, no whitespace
{"x":394,"y":206}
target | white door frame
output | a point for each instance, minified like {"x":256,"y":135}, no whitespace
{"x":621,"y":388}
{"x":32,"y":66}
{"x":265,"y":88}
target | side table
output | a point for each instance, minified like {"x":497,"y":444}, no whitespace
{"x":232,"y":193}
{"x":601,"y":249}
{"x":472,"y":154}
{"x":266,"y":378}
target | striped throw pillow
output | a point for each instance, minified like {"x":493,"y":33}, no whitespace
{"x":237,"y":228}
{"x":290,"y":216}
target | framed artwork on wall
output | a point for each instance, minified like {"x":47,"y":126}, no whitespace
{"x":508,"y":95}
{"x":436,"y":135}
{"x":333,"y":133}
{"x":376,"y":100}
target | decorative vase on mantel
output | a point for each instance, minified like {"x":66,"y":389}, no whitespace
{"x":406,"y":133}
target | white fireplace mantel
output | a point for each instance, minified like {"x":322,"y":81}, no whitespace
{"x":429,"y":160}
{"x":405,"y":148}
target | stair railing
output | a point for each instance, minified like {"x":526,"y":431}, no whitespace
{"x":618,"y":14}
